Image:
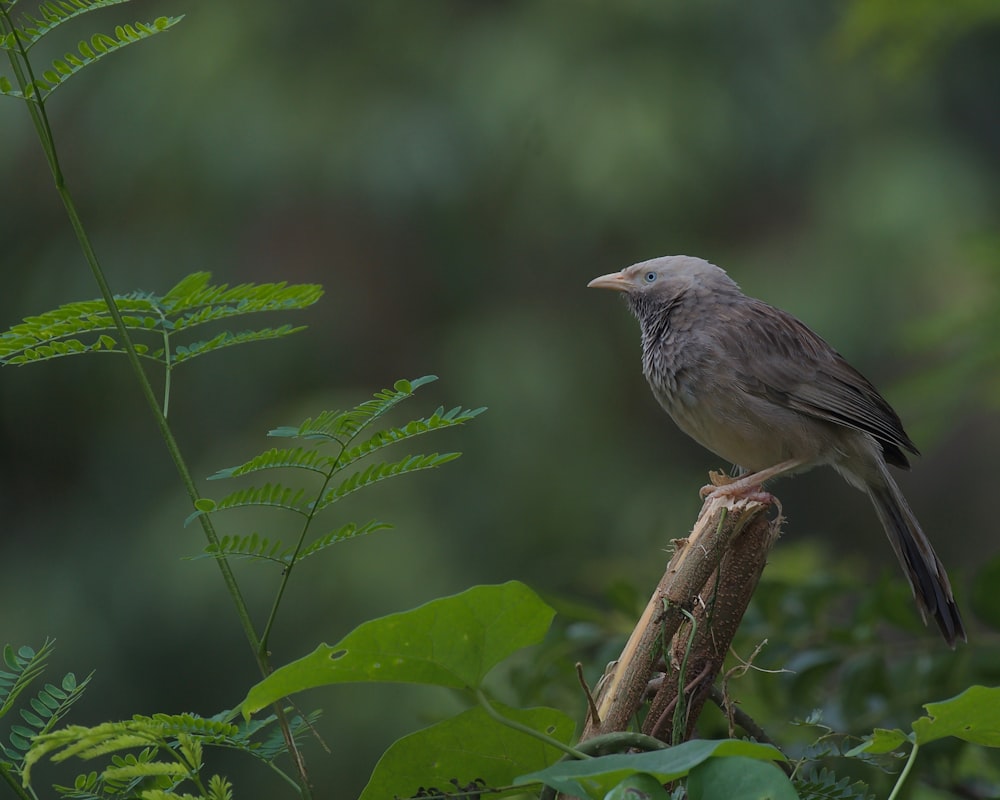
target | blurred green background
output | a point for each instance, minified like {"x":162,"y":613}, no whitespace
{"x":454,"y":173}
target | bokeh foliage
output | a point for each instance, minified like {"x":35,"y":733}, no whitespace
{"x":453,"y":173}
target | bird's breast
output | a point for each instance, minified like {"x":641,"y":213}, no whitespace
{"x":699,"y":394}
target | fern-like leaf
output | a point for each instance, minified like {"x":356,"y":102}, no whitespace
{"x":330,"y":427}
{"x":30,"y":29}
{"x":227,"y":339}
{"x":28,"y":340}
{"x":254,"y":546}
{"x":349,"y":531}
{"x":52,"y":703}
{"x":219,"y":788}
{"x":438,"y":420}
{"x":273,"y":495}
{"x":183,"y":734}
{"x":343,"y":426}
{"x":274,"y":745}
{"x":259,"y":548}
{"x":194,"y":302}
{"x":130,"y":772}
{"x":824,"y":785}
{"x":87,"y":52}
{"x":43,"y":711}
{"x":283,"y":458}
{"x":382,"y":471}
{"x":25,"y":665}
{"x":87,"y":326}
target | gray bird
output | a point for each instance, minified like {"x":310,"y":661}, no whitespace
{"x":760,"y":389}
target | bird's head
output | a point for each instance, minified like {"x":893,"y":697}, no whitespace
{"x":662,"y":280}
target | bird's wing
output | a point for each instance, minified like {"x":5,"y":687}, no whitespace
{"x":786,"y":362}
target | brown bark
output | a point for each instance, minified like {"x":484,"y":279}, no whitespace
{"x":709,"y":579}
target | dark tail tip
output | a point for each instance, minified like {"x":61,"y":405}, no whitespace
{"x":949,"y":620}
{"x":924,"y":570}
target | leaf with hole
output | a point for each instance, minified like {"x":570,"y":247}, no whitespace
{"x":453,"y":641}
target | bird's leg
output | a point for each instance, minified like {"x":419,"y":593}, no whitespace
{"x":720,"y":479}
{"x":747,"y":485}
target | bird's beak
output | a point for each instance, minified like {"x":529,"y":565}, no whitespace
{"x":613,"y":280}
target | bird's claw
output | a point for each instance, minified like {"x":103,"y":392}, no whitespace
{"x":724,"y":487}
{"x":718,"y":480}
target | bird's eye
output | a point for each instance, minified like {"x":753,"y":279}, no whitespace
{"x":650,"y":277}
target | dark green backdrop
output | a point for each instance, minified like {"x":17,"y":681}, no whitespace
{"x":454,"y":173}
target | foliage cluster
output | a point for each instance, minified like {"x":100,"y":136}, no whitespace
{"x":454,"y":643}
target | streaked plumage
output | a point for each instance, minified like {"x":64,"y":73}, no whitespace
{"x":760,"y":389}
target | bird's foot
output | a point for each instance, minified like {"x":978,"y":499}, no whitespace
{"x":718,"y":480}
{"x":750,"y":486}
{"x":725,"y":487}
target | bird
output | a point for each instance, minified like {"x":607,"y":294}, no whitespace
{"x":760,"y":389}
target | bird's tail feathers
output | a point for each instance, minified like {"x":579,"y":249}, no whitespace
{"x":924,"y":570}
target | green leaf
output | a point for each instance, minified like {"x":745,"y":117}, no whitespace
{"x":26,"y":665}
{"x":597,"y":776}
{"x":271,"y":495}
{"x":745,"y":778}
{"x":87,"y":326}
{"x":184,"y":353}
{"x":641,"y":786}
{"x":973,"y":716}
{"x":342,"y":534}
{"x":469,"y":747}
{"x":183,"y":733}
{"x":257,"y":547}
{"x":99,"y":46}
{"x":280,"y":458}
{"x":31,"y":719}
{"x":31,"y":29}
{"x":454,"y":641}
{"x":825,"y":785}
{"x":343,"y":426}
{"x":193,"y":301}
{"x":881,"y":741}
{"x":382,"y":471}
{"x":438,"y":420}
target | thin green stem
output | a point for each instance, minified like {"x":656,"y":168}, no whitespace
{"x":25,"y":76}
{"x":680,"y":711}
{"x":281,"y":774}
{"x":287,"y":573}
{"x":36,"y":108}
{"x":166,"y":433}
{"x":906,"y":771}
{"x":517,"y":726}
{"x":168,"y":366}
{"x":11,"y":779}
{"x":39,"y":117}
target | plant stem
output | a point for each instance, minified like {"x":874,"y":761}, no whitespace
{"x":228,"y":576}
{"x":166,"y":433}
{"x":680,"y":711}
{"x":15,"y":784}
{"x":906,"y":771}
{"x":39,"y":117}
{"x":517,"y":726}
{"x":36,"y":108}
{"x":287,"y":572}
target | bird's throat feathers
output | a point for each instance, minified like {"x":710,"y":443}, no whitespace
{"x":653,"y":313}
